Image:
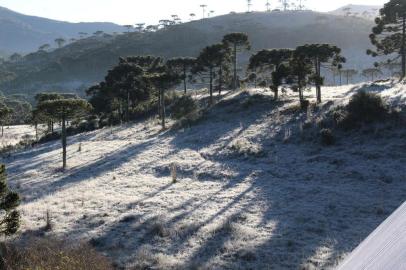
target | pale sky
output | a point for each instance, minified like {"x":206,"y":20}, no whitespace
{"x":151,"y":11}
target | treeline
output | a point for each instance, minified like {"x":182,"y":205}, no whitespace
{"x":139,"y":86}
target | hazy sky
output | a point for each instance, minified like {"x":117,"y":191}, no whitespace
{"x":150,"y":11}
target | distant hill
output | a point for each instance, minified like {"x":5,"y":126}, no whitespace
{"x":362,"y":11}
{"x":85,"y":62}
{"x":21,"y":33}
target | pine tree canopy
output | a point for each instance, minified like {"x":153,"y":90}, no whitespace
{"x":389,"y":34}
{"x":237,"y":39}
{"x":64,"y":108}
{"x":211,"y":57}
{"x":323,"y":53}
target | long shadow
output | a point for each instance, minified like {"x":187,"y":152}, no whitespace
{"x":79,"y":174}
{"x":306,"y":217}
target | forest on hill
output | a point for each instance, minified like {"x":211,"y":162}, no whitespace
{"x":79,"y":64}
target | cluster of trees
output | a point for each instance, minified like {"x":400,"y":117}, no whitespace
{"x":299,"y":67}
{"x":134,"y":82}
{"x":14,"y":109}
{"x":141,"y":81}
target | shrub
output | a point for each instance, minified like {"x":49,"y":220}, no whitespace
{"x":366,"y":107}
{"x":10,"y":200}
{"x":327,"y":137}
{"x":244,"y":147}
{"x":183,"y":106}
{"x":189,"y":120}
{"x":49,"y":137}
{"x":304,"y":104}
{"x":51,"y":254}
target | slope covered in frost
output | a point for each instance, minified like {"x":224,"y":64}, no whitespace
{"x":255,"y":187}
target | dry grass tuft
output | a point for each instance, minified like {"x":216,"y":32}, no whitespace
{"x":48,"y":253}
{"x":244,"y":147}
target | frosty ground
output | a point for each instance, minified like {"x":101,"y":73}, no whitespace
{"x":255,"y":189}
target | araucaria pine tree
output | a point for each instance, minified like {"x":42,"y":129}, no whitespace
{"x":63,"y":110}
{"x":321,"y":55}
{"x":9,"y":201}
{"x":212,"y":58}
{"x":182,"y":66}
{"x":236,"y":42}
{"x":389,"y":34}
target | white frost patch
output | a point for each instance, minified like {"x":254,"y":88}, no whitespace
{"x":281,"y":209}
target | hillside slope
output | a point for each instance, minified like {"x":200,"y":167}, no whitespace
{"x":362,"y":11}
{"x":86,"y":62}
{"x":255,"y":189}
{"x":22,"y":33}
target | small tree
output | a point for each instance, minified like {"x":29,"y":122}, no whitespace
{"x":371,"y":73}
{"x":5,"y":113}
{"x":182,"y":66}
{"x":237,"y":42}
{"x":60,"y":42}
{"x":64,"y":110}
{"x":140,"y":27}
{"x":98,"y":33}
{"x":44,"y":47}
{"x":9,"y":201}
{"x":252,"y":78}
{"x":349,"y":74}
{"x":321,"y":55}
{"x":15,"y":57}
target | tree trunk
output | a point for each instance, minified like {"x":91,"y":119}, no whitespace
{"x":276,"y":92}
{"x":235,"y":67}
{"x":2,"y":130}
{"x":341,"y":79}
{"x":162,"y":109}
{"x":211,"y":85}
{"x":159,"y":104}
{"x":318,"y":81}
{"x":127,"y":111}
{"x":36,"y":131}
{"x":63,"y":141}
{"x":184,"y":78}
{"x":220,"y":79}
{"x":403,"y":49}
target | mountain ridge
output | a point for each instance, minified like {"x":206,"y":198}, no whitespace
{"x":86,"y":61}
{"x":25,"y":33}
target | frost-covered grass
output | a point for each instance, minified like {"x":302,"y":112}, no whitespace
{"x":14,"y":134}
{"x":255,"y":189}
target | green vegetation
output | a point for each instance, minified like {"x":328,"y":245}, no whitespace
{"x":389,"y":34}
{"x":9,"y":201}
{"x":211,"y":59}
{"x":63,"y":110}
{"x":236,"y":42}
